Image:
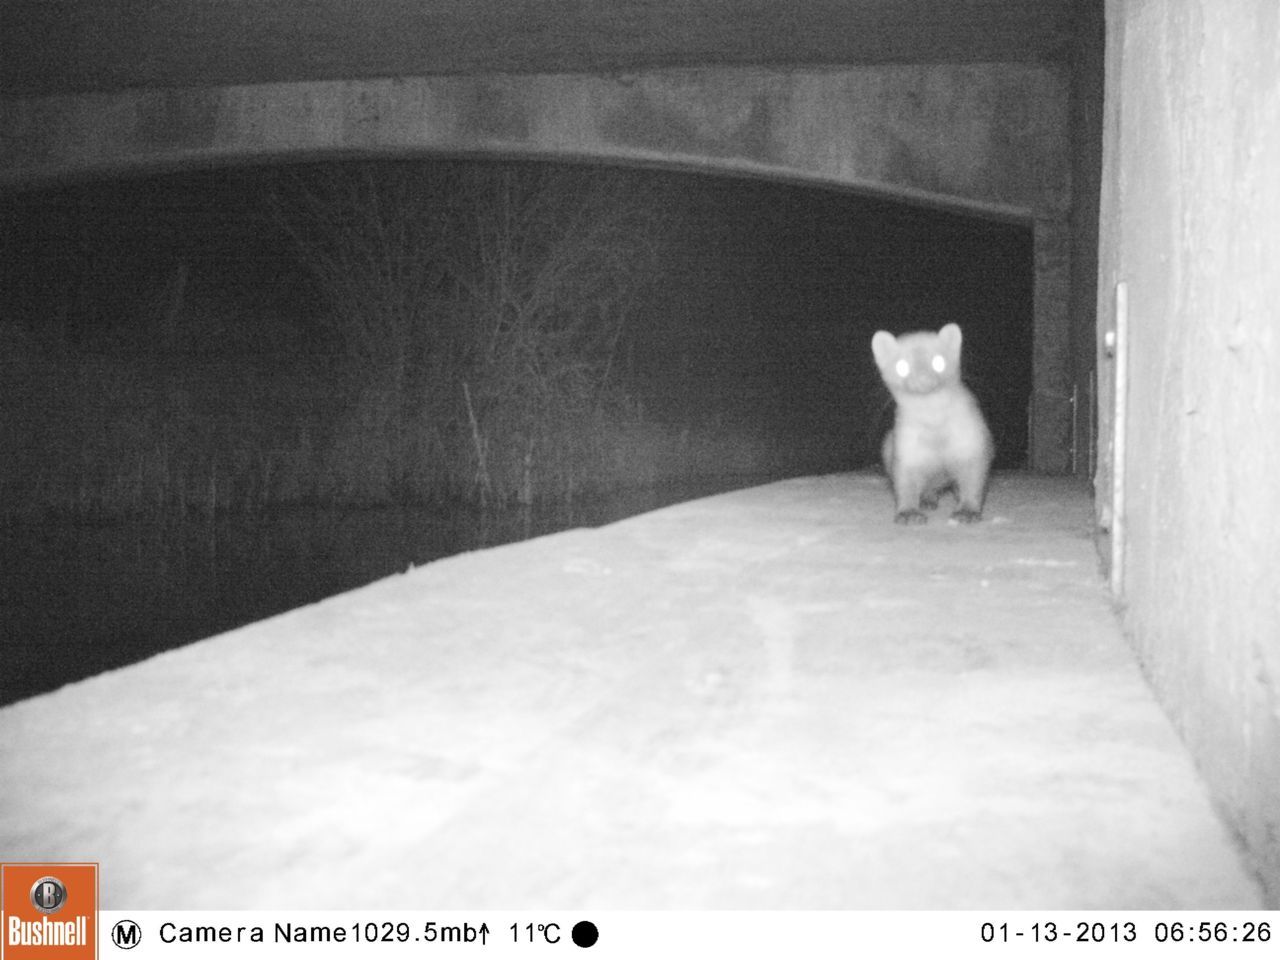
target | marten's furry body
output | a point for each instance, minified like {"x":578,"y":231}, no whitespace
{"x":939,"y":439}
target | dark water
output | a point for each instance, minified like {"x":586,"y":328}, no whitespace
{"x":78,"y":599}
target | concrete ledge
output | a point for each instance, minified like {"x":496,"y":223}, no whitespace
{"x":771,"y":698}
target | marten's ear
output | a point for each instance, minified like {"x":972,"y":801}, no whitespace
{"x":949,"y":337}
{"x":885,"y":347}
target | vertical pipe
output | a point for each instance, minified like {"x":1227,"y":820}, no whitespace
{"x":1119,"y":439}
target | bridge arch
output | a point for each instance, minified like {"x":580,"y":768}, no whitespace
{"x":991,"y":139}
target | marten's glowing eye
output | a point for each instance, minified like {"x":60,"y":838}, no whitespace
{"x":939,"y":363}
{"x":902,"y":368}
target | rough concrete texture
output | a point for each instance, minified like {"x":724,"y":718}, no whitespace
{"x":75,"y":46}
{"x":1051,"y":362}
{"x":986,"y":137}
{"x":1191,"y":220}
{"x":992,"y":136}
{"x":771,"y":698}
{"x":1087,"y":80}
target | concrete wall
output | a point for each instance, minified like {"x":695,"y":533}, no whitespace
{"x":1191,"y":222}
{"x":1087,"y":73}
{"x":988,"y":137}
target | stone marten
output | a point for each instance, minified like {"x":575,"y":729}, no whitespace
{"x":939,"y":439}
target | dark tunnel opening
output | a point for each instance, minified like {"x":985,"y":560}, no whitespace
{"x":207,"y":425}
{"x":776,"y":289}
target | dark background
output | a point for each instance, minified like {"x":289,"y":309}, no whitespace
{"x":747,"y":360}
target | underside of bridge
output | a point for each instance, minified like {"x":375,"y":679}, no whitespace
{"x":990,"y":107}
{"x":67,"y":46}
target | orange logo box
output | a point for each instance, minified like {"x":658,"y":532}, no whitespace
{"x":49,"y":911}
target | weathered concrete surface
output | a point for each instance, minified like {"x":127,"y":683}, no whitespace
{"x":988,"y":136}
{"x":1191,"y":221}
{"x":60,"y":46}
{"x":1051,"y":361}
{"x":991,"y":138}
{"x":772,"y":698}
{"x":1087,"y":88}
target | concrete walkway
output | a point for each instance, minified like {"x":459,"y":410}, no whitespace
{"x":770,"y":698}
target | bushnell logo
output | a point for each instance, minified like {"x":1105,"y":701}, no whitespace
{"x":48,"y":911}
{"x":48,"y":894}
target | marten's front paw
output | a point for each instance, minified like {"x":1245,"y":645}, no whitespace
{"x":928,"y":503}
{"x":910,"y":517}
{"x":966,"y":515}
